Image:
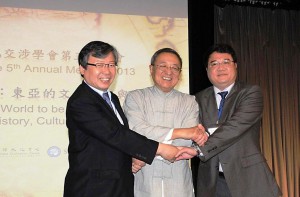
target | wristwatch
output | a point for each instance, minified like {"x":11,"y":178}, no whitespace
{"x":197,"y":149}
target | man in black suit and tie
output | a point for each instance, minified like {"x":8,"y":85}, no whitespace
{"x":231,"y":162}
{"x":101,"y":145}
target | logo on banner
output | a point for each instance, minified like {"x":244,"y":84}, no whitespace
{"x":54,"y":151}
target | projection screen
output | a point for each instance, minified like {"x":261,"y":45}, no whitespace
{"x":39,"y":45}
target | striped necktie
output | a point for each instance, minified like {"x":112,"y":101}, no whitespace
{"x":106,"y":98}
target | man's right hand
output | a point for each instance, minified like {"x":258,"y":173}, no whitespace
{"x":186,"y":153}
{"x":168,"y":152}
{"x":202,"y":138}
{"x":197,"y":134}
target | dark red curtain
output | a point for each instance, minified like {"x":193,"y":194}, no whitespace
{"x":268,"y":46}
{"x":267,"y":42}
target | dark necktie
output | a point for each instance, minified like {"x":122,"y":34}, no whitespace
{"x":223,"y":95}
{"x":106,"y":98}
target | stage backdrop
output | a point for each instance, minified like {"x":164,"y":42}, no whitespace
{"x":39,"y":72}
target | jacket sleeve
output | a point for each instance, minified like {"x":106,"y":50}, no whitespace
{"x":91,"y":119}
{"x":245,"y":112}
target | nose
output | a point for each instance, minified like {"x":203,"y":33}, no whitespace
{"x":105,"y":70}
{"x":222,"y":66}
{"x":168,"y":70}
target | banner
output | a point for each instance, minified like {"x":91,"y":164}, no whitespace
{"x":39,"y":72}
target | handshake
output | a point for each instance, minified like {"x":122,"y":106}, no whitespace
{"x":175,"y":153}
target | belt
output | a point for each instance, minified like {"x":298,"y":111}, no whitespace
{"x":221,"y":175}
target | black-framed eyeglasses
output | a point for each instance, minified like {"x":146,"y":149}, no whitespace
{"x":225,"y":63}
{"x":103,"y":65}
{"x":173,"y":68}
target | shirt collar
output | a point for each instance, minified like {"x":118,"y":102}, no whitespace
{"x":216,"y":90}
{"x":100,"y":92}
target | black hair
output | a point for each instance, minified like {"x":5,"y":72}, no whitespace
{"x":219,"y":48}
{"x":97,"y":49}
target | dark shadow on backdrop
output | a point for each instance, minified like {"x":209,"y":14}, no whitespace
{"x":201,"y":36}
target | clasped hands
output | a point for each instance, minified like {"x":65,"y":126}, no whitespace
{"x":175,"y":153}
{"x":198,"y":134}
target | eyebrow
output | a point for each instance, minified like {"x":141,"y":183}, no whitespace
{"x":103,"y":62}
{"x":217,"y":60}
{"x":168,"y":63}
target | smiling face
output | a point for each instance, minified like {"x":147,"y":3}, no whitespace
{"x":221,"y":75}
{"x":99,"y":78}
{"x":165,"y":80}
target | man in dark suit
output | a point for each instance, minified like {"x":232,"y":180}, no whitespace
{"x":101,"y":145}
{"x":231,"y":162}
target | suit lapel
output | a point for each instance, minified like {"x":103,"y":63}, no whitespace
{"x":211,"y":107}
{"x":229,"y":102}
{"x":118,"y":107}
{"x":99,"y":99}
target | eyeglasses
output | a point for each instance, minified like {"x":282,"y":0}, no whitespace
{"x":103,"y":65}
{"x":164,"y":68}
{"x":225,"y":63}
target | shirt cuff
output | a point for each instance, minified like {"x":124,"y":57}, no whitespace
{"x":167,"y":139}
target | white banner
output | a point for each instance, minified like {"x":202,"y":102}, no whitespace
{"x":39,"y":72}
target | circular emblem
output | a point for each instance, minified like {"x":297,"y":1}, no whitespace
{"x":54,"y":151}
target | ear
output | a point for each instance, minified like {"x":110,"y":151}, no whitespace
{"x":82,"y":70}
{"x":151,"y":68}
